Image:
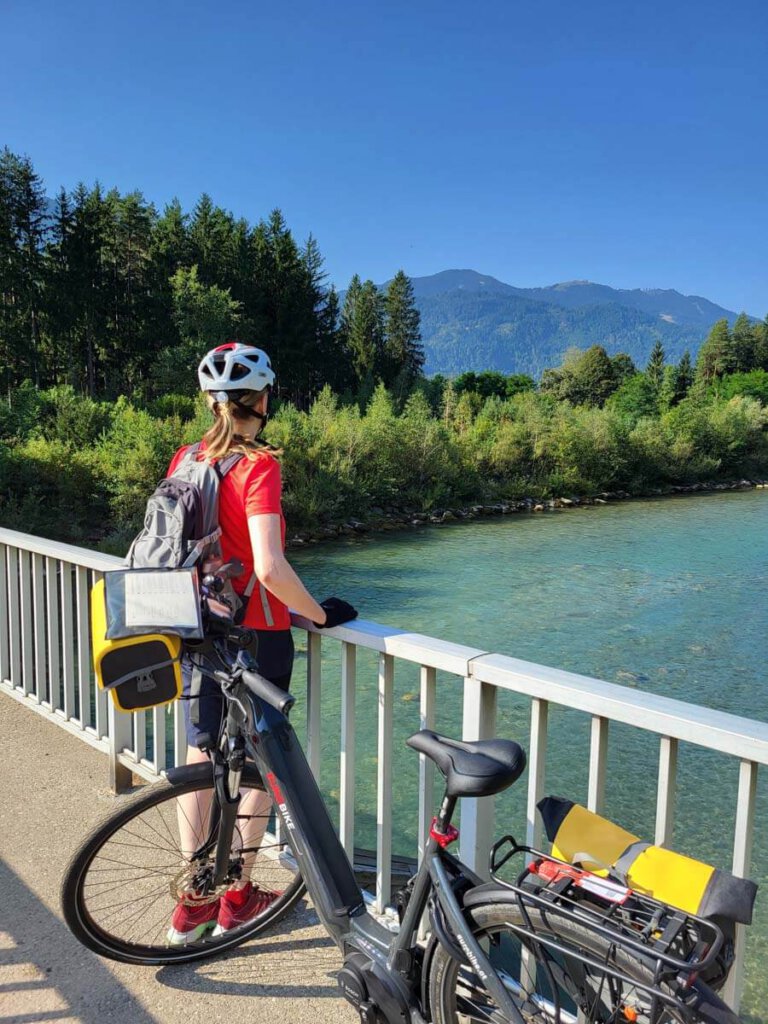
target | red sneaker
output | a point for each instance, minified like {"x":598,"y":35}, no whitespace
{"x":190,"y":921}
{"x":239,"y":906}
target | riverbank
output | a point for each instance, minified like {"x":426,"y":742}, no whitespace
{"x":387,"y":520}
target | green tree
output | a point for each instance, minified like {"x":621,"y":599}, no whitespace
{"x":204,"y":316}
{"x":584,"y":378}
{"x":403,"y":355}
{"x":744,"y":340}
{"x":685,"y":375}
{"x":761,"y":345}
{"x":623,"y":367}
{"x":23,"y":224}
{"x":363,"y":319}
{"x":717,"y":355}
{"x":753,"y":384}
{"x":518,"y":384}
{"x":654,"y":371}
{"x":635,"y":399}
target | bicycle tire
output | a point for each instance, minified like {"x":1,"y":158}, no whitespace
{"x":119,"y":889}
{"x":457,"y":996}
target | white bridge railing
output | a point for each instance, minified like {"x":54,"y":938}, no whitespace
{"x":45,"y":662}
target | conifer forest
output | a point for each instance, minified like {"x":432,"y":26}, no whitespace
{"x":107,"y":305}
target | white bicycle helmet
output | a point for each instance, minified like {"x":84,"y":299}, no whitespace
{"x":235,"y":367}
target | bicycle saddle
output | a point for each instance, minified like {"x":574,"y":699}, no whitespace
{"x":479,"y":768}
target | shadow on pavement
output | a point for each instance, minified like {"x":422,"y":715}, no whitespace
{"x":46,"y":975}
{"x":273,"y":965}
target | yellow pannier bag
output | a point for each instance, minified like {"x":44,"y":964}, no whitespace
{"x":138,"y":671}
{"x":580,"y":837}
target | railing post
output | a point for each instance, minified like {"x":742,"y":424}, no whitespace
{"x":479,"y":722}
{"x":68,"y":640}
{"x":666,"y":793}
{"x":347,"y":753}
{"x":159,"y":756}
{"x":598,"y":762}
{"x":52,"y":618}
{"x":537,"y":755}
{"x":742,"y":860}
{"x":120,"y":777}
{"x":83,"y":647}
{"x":40,"y":692}
{"x":179,"y":734}
{"x":4,"y":613}
{"x":27,"y":637}
{"x":14,"y":618}
{"x":314,"y":694}
{"x":427,"y":695}
{"x":384,"y":782}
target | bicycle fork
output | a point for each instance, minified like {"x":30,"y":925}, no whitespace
{"x":226,"y":780}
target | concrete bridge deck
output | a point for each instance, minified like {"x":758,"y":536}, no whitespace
{"x":53,"y":788}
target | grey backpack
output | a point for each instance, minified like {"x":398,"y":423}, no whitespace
{"x":181,"y":522}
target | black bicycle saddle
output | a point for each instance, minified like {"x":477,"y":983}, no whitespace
{"x":477,"y":768}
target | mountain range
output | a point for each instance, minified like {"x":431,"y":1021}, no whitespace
{"x":471,"y":321}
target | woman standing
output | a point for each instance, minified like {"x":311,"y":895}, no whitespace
{"x":237,"y":380}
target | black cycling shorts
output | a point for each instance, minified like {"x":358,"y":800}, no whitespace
{"x":274,"y":661}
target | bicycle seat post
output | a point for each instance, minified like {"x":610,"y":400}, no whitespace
{"x":441,"y":826}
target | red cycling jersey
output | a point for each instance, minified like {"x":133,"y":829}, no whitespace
{"x":252,"y":487}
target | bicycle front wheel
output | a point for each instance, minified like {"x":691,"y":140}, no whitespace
{"x":567,"y":993}
{"x":122,"y":886}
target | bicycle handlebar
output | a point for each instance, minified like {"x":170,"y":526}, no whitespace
{"x":262,"y":688}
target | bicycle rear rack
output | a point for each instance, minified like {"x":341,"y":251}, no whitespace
{"x":674,"y":946}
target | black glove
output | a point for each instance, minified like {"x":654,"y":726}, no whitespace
{"x":336,"y":612}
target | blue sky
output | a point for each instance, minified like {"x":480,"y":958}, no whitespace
{"x":535,"y":141}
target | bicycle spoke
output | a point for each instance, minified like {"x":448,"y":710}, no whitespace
{"x":117,"y":908}
{"x":128,"y":891}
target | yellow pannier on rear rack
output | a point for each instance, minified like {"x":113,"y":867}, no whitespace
{"x":580,"y":837}
{"x":138,"y":671}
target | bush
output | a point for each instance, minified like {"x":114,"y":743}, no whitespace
{"x":752,"y":385}
{"x":51,"y":489}
{"x":20,"y":413}
{"x":184,"y":407}
{"x":75,"y":469}
{"x":132,"y":457}
{"x":72,"y":418}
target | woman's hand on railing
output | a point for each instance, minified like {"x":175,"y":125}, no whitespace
{"x":337,"y":612}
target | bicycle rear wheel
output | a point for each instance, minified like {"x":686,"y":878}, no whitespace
{"x":123,"y":884}
{"x":570,"y":993}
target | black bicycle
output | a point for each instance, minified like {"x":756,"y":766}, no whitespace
{"x":544,"y":947}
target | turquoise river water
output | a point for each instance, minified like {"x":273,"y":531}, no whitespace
{"x":666,"y":596}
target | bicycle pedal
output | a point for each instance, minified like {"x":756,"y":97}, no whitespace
{"x":368,"y":1012}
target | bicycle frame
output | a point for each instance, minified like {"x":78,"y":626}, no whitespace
{"x":381,"y":972}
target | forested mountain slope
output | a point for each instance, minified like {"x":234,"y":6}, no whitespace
{"x":491,"y":330}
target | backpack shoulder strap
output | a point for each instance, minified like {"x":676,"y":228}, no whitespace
{"x":223,"y":466}
{"x":190,"y":455}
